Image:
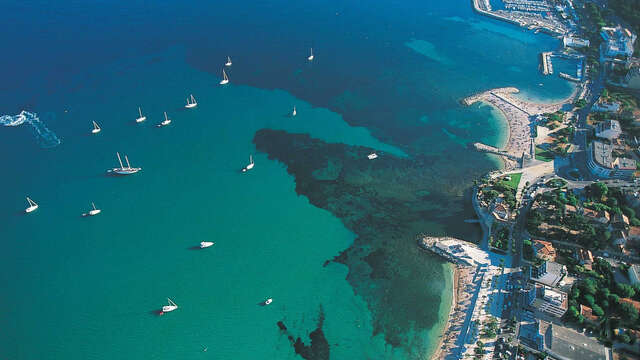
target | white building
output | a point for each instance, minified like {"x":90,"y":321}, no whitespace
{"x":574,"y":42}
{"x":617,"y":44}
{"x":634,"y":274}
{"x":603,"y":164}
{"x":608,"y":129}
{"x":606,"y":107}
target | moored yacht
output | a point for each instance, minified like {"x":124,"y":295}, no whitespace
{"x":294,"y":113}
{"x":250,"y":165}
{"x":225,"y":78}
{"x":206,"y":244}
{"x":165,"y":122}
{"x":310,"y":58}
{"x":32,"y":206}
{"x":96,"y":129}
{"x":372,"y":156}
{"x":140,"y":118}
{"x":93,"y":211}
{"x":122,"y":170}
{"x":191,"y":102}
{"x":228,"y":63}
{"x":168,"y":308}
{"x":268,"y":301}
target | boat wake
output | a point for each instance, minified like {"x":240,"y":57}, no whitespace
{"x":46,"y":138}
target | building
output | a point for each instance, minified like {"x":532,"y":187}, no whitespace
{"x":617,"y":45}
{"x":601,"y":216}
{"x":620,"y":221}
{"x":634,"y":274}
{"x":634,"y":303}
{"x":565,"y":343}
{"x":544,"y":250}
{"x":574,"y":42}
{"x":585,"y":258}
{"x":632,"y":80}
{"x":603,"y":164}
{"x":548,"y":273}
{"x":613,"y":107}
{"x":619,"y":238}
{"x":500,"y":212}
{"x":608,"y":129}
{"x":587,"y":314}
{"x":550,"y":302}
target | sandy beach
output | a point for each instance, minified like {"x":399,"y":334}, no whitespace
{"x":519,"y":115}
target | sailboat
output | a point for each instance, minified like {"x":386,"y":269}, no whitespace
{"x":228,"y":63}
{"x":96,"y":129}
{"x":250,"y":166}
{"x":124,"y":170}
{"x":191,"y":102}
{"x":268,"y":301}
{"x":294,"y":113}
{"x":310,"y":58}
{"x":141,"y":118}
{"x":93,"y":211}
{"x":166,"y":121}
{"x":168,"y":308}
{"x":32,"y":206}
{"x":206,"y":244}
{"x":372,"y":156}
{"x":225,"y":78}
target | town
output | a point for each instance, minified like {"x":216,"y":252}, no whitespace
{"x":557,"y":272}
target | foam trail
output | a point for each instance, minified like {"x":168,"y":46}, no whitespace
{"x":46,"y":138}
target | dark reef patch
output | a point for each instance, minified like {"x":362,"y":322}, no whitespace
{"x":319,"y":347}
{"x":386,"y":202}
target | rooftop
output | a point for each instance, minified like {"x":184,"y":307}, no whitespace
{"x":603,"y":155}
{"x":567,"y":343}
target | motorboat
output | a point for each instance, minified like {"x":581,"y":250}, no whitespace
{"x":206,"y":244}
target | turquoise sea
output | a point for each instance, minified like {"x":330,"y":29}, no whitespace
{"x":387,"y":76}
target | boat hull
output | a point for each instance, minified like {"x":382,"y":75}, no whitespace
{"x":31,"y":209}
{"x":141,"y":119}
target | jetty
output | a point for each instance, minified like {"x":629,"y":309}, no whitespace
{"x":547,"y":66}
{"x":455,"y":250}
{"x":494,"y":150}
{"x":524,"y":13}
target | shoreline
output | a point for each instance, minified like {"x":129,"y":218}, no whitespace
{"x":440,"y":349}
{"x":517,"y":113}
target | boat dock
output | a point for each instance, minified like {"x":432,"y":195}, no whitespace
{"x":525,"y":13}
{"x":454,"y":250}
{"x":494,"y":150}
{"x":547,"y":66}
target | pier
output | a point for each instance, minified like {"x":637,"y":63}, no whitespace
{"x":547,"y":66}
{"x":525,"y":13}
{"x":493,"y":150}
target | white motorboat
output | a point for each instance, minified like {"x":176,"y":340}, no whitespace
{"x":310,"y":58}
{"x":372,"y":156}
{"x":228,"y":63}
{"x":168,"y":308}
{"x":96,"y":129}
{"x":225,"y":78}
{"x":122,"y":170}
{"x":250,"y":165}
{"x":206,"y":244}
{"x":32,"y":206}
{"x":166,"y":120}
{"x":93,"y":211}
{"x":141,"y":118}
{"x":268,"y":301}
{"x":191,"y":102}
{"x":294,"y":113}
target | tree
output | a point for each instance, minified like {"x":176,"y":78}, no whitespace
{"x":598,"y":190}
{"x":628,"y":312}
{"x":597,"y":310}
{"x":624,"y":290}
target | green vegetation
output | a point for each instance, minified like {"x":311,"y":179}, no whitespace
{"x":500,"y":238}
{"x":629,"y":10}
{"x":513,"y":183}
{"x":501,"y":189}
{"x":556,"y":183}
{"x":580,"y":103}
{"x":490,"y":329}
{"x":543,"y":155}
{"x":608,"y":300}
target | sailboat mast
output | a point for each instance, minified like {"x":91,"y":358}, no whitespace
{"x":139,"y":111}
{"x":126,"y":158}
{"x":165,"y":115}
{"x":94,"y":205}
{"x":120,"y":160}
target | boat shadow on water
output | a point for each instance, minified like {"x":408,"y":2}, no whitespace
{"x":157,"y":312}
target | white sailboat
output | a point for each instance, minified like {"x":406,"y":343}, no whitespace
{"x":168,"y":308}
{"x":166,"y":120}
{"x":372,"y":156}
{"x":268,"y":301}
{"x":228,"y":63}
{"x":225,"y":78}
{"x":96,"y":129}
{"x":191,"y":102}
{"x":294,"y":113}
{"x":122,"y":170}
{"x":250,"y":165}
{"x":206,"y":244}
{"x":141,"y":118}
{"x":93,"y":211}
{"x":32,"y":206}
{"x":310,"y":58}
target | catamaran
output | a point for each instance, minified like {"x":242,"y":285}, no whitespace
{"x":372,"y":156}
{"x":141,"y":118}
{"x":310,"y":58}
{"x":191,"y":102}
{"x":294,"y":113}
{"x":32,"y":206}
{"x":166,"y":121}
{"x":225,"y":78}
{"x":206,"y":244}
{"x":93,"y":211}
{"x":168,"y":308}
{"x":228,"y":63}
{"x":96,"y":129}
{"x":124,"y":170}
{"x":250,"y":166}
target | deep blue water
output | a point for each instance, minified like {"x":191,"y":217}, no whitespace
{"x":388,"y":75}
